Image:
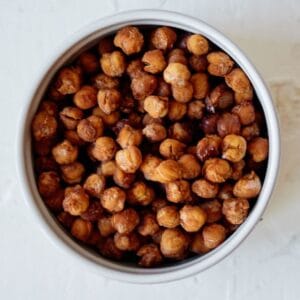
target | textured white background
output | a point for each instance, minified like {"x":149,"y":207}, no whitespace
{"x":266,"y":266}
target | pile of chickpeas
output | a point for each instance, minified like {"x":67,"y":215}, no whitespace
{"x":150,"y":147}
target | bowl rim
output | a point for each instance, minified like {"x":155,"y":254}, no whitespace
{"x":48,"y":224}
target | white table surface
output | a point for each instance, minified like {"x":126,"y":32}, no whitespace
{"x":266,"y":265}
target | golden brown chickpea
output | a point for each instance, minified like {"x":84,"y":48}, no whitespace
{"x":178,"y":191}
{"x":129,"y":159}
{"x":181,"y":132}
{"x":108,"y":119}
{"x":135,"y":68}
{"x":246,"y":112}
{"x":177,"y":56}
{"x":258,"y":149}
{"x":163,"y":89}
{"x":251,"y":131}
{"x":196,"y":109}
{"x":176,"y":74}
{"x":155,"y":132}
{"x":147,"y":120}
{"x":107,"y":168}
{"x":248,"y":186}
{"x":90,"y":129}
{"x":109,"y":100}
{"x":155,"y":106}
{"x":168,"y":216}
{"x":72,"y":173}
{"x":48,"y":183}
{"x":104,"y":149}
{"x":140,"y":194}
{"x":65,"y":153}
{"x":163,"y":38}
{"x":158,"y":203}
{"x":234,"y":147}
{"x":113,"y":199}
{"x":216,"y":170}
{"x":106,"y":45}
{"x":190,"y":166}
{"x":76,"y":201}
{"x":221,"y":97}
{"x":245,"y":96}
{"x":213,"y":235}
{"x":220,"y":63}
{"x":143,"y":86}
{"x":150,"y":255}
{"x":154,"y":61}
{"x":148,"y":225}
{"x":209,"y":124}
{"x":44,"y":126}
{"x":171,"y":148}
{"x":149,"y":165}
{"x":94,"y":185}
{"x":192,"y":217}
{"x":213,"y":209}
{"x":205,"y":189}
{"x":197,"y":44}
{"x":125,"y":221}
{"x":167,"y":171}
{"x":238,"y":81}
{"x":208,"y":147}
{"x":225,"y":192}
{"x":113,"y":64}
{"x":228,"y":124}
{"x":49,"y":107}
{"x":94,"y":212}
{"x":198,"y":63}
{"x":127,"y":242}
{"x":81,"y":229}
{"x":237,"y":170}
{"x":129,"y":136}
{"x":86,"y":97}
{"x":174,"y":243}
{"x":70,"y":117}
{"x":176,"y":110}
{"x":105,"y":226}
{"x":65,"y":219}
{"x":122,"y":179}
{"x":102,"y":81}
{"x":235,"y":210}
{"x":68,"y":81}
{"x":183,"y":93}
{"x":200,"y":85}
{"x":55,"y":201}
{"x":108,"y":249}
{"x":197,"y":244}
{"x":88,"y":62}
{"x":129,"y":39}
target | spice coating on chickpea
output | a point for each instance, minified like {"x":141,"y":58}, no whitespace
{"x":129,"y":136}
{"x":65,"y":153}
{"x":94,"y":212}
{"x":246,"y":112}
{"x":168,"y":216}
{"x":69,"y":80}
{"x":143,"y":86}
{"x":167,"y":171}
{"x":248,"y":186}
{"x":81,"y":229}
{"x":197,"y":44}
{"x":72,"y":173}
{"x":233,"y":147}
{"x":192,"y":218}
{"x":208,"y":147}
{"x":163,"y":38}
{"x":105,"y":226}
{"x":178,"y":191}
{"x":183,"y":93}
{"x":108,"y":100}
{"x":213,"y":209}
{"x":205,"y":189}
{"x":129,"y":159}
{"x":86,"y":97}
{"x":150,"y":255}
{"x":190,"y":166}
{"x":181,"y":132}
{"x":90,"y":129}
{"x":228,"y":124}
{"x":44,"y":126}
{"x":154,"y":61}
{"x":70,"y":117}
{"x":213,"y":235}
{"x":48,"y":183}
{"x":94,"y":185}
{"x":76,"y":201}
{"x":148,"y":225}
{"x":176,"y":110}
{"x":125,"y":221}
{"x":258,"y":149}
{"x":219,"y":63}
{"x":104,"y":148}
{"x":113,"y":199}
{"x":113,"y":64}
{"x":140,"y":194}
{"x":196,"y":109}
{"x":216,"y":170}
{"x":155,"y":132}
{"x":235,"y":210}
{"x":127,"y":242}
{"x":238,"y":81}
{"x":176,"y":74}
{"x":155,"y":106}
{"x":171,"y":148}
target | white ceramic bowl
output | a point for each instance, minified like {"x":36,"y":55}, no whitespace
{"x":84,"y":39}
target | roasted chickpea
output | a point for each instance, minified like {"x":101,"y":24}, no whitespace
{"x":226,"y":191}
{"x":197,"y":44}
{"x":140,"y":194}
{"x":190,"y":166}
{"x":246,"y":112}
{"x":122,"y":179}
{"x":54,"y":94}
{"x":125,"y":221}
{"x":129,"y":136}
{"x":228,"y":124}
{"x":49,"y":107}
{"x":158,"y":203}
{"x":248,"y":186}
{"x":88,"y":62}
{"x":94,"y":185}
{"x":176,"y":110}
{"x":238,"y":81}
{"x":127,"y":242}
{"x":76,"y":201}
{"x":183,"y":93}
{"x":106,"y":45}
{"x":108,"y":119}
{"x":163,"y":89}
{"x":129,"y":159}
{"x":72,"y":173}
{"x":213,"y":209}
{"x":221,"y":97}
{"x":155,"y":106}
{"x":135,"y":68}
{"x":104,"y":148}
{"x":65,"y":219}
{"x":258,"y":149}
{"x":167,"y":171}
{"x":85,"y":97}
{"x":181,"y":132}
{"x":94,"y":212}
{"x":107,"y":168}
{"x":168,"y":216}
{"x":234,"y":147}
{"x":68,"y":80}
{"x":237,"y":169}
{"x":220,"y":63}
{"x":192,"y":218}
{"x":155,"y":132}
{"x":245,"y":96}
{"x":200,"y":85}
{"x":208,"y":147}
{"x":70,"y":117}
{"x":205,"y":189}
{"x":197,"y":244}
{"x":149,"y":165}
{"x":216,"y":170}
{"x":209,"y":124}
{"x":73,"y":137}
{"x":163,"y":38}
{"x":44,"y":126}
{"x":143,"y":86}
{"x":113,"y":199}
{"x":154,"y":61}
{"x":55,"y":201}
{"x":90,"y":129}
{"x":196,"y":109}
{"x":251,"y":131}
{"x":150,"y":255}
{"x":178,"y":191}
{"x":113,"y":64}
{"x":102,"y":81}
{"x":65,"y":153}
{"x":105,"y":226}
{"x":171,"y":148}
{"x":213,"y":235}
{"x":176,"y":74}
{"x":129,"y":39}
{"x":48,"y":183}
{"x":81,"y":229}
{"x":43,"y":147}
{"x":45,"y":164}
{"x":235,"y":210}
{"x":108,"y":249}
{"x":148,"y":225}
{"x":109,"y":100}
{"x":198,"y":63}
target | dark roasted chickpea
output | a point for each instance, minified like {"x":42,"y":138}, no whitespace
{"x":143,"y":86}
{"x":221,"y":97}
{"x":68,"y":80}
{"x":54,"y":94}
{"x":65,"y":153}
{"x":48,"y":183}
{"x":108,"y":249}
{"x":125,"y":221}
{"x":183,"y":93}
{"x":85,"y":97}
{"x":113,"y":64}
{"x":156,"y":237}
{"x":81,"y":229}
{"x":167,"y":171}
{"x":213,"y":235}
{"x":209,"y":124}
{"x":208,"y":147}
{"x":168,"y":216}
{"x":90,"y":129}
{"x":104,"y":148}
{"x":233,"y":147}
{"x":150,"y":255}
{"x":108,"y":119}
{"x":72,"y":173}
{"x":220,"y":63}
{"x":176,"y":74}
{"x":149,"y":165}
{"x":73,"y":137}
{"x":258,"y":149}
{"x":177,"y":56}
{"x":148,"y":225}
{"x":129,"y":136}
{"x":248,"y":186}
{"x":140,"y":194}
{"x":88,"y":62}
{"x":55,"y":201}
{"x":44,"y":126}
{"x":102,"y":81}
{"x":170,"y":148}
{"x":135,"y":68}
{"x":190,"y":166}
{"x":45,"y":164}
{"x":155,"y":132}
{"x":155,"y":106}
{"x":181,"y":132}
{"x":70,"y":117}
{"x":76,"y":201}
{"x":107,"y":168}
{"x":213,"y":209}
{"x":94,"y":185}
{"x":158,"y":203}
{"x":200,"y":85}
{"x":94,"y":238}
{"x":163,"y":89}
{"x":109,"y":100}
{"x":94,"y":212}
{"x":49,"y":107}
{"x":178,"y":191}
{"x":106,"y":45}
{"x":176,"y":110}
{"x":238,"y":81}
{"x":129,"y":39}
{"x":192,"y":217}
{"x":205,"y":189}
{"x":196,"y":109}
{"x":216,"y":170}
{"x":129,"y":159}
{"x":246,"y":112}
{"x":251,"y":131}
{"x":197,"y":244}
{"x":198,"y":63}
{"x":163,"y":38}
{"x":147,"y":120}
{"x":226,"y":191}
{"x":197,"y":44}
{"x":154,"y":61}
{"x":127,"y":242}
{"x":65,"y":219}
{"x":235,"y":210}
{"x":113,"y":199}
{"x":43,"y":147}
{"x":105,"y":226}
{"x":228,"y":124}
{"x":122,"y":179}
{"x":237,"y":169}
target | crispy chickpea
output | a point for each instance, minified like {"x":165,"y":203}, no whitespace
{"x":68,"y":80}
{"x":109,"y":100}
{"x":86,"y":97}
{"x":113,"y":64}
{"x":154,"y":61}
{"x":208,"y":147}
{"x":49,"y":107}
{"x":177,"y":56}
{"x":48,"y":183}
{"x":200,"y":85}
{"x":55,"y":201}
{"x":163,"y":38}
{"x":81,"y":229}
{"x":108,"y":249}
{"x":174,"y":243}
{"x":148,"y":225}
{"x":176,"y":74}
{"x":44,"y":126}
{"x":155,"y":132}
{"x":163,"y":89}
{"x":168,"y":216}
{"x":198,"y":63}
{"x":127,"y":242}
{"x":205,"y":189}
{"x":72,"y":173}
{"x":122,"y":179}
{"x":94,"y":212}
{"x":221,"y":97}
{"x":129,"y":39}
{"x":158,"y":203}
{"x":228,"y":124}
{"x":104,"y":149}
{"x":183,"y":93}
{"x":45,"y":164}
{"x":248,"y":186}
{"x":209,"y":124}
{"x":233,"y":147}
{"x":73,"y":137}
{"x":220,"y":63}
{"x":237,"y":170}
{"x":107,"y":168}
{"x":76,"y":201}
{"x":195,"y":109}
{"x":105,"y":226}
{"x":170,"y":148}
{"x":246,"y":112}
{"x":251,"y":131}
{"x":102,"y":81}
{"x":150,"y":255}
{"x":65,"y":153}
{"x":140,"y":194}
{"x":70,"y":117}
{"x":216,"y":170}
{"x":167,"y":171}
{"x":113,"y":199}
{"x":176,"y":110}
{"x":178,"y":191}
{"x":245,"y":96}
{"x":197,"y":44}
{"x":149,"y":165}
{"x":129,"y":159}
{"x":238,"y":81}
{"x":181,"y":132}
{"x":135,"y":68}
{"x":65,"y":219}
{"x":235,"y":210}
{"x":108,"y":119}
{"x":147,"y":120}
{"x":213,"y":235}
{"x":226,"y":191}
{"x":129,"y":136}
{"x":190,"y":166}
{"x":258,"y":149}
{"x":88,"y":62}
{"x":156,"y":237}
{"x":197,"y":244}
{"x":94,"y":185}
{"x":106,"y":45}
{"x":213,"y":209}
{"x":155,"y":106}
{"x":143,"y":86}
{"x":54,"y":94}
{"x":192,"y":217}
{"x":90,"y":129}
{"x":125,"y":221}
